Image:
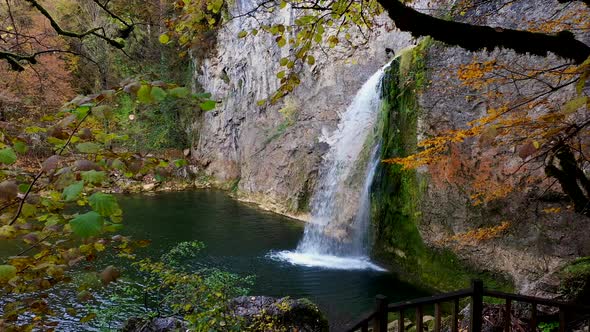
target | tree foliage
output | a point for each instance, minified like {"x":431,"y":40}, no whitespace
{"x":200,"y":296}
{"x":61,"y":213}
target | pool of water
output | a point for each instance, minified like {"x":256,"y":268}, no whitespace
{"x":242,"y":239}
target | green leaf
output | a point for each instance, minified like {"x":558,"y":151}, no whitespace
{"x":29,"y":210}
{"x":72,"y":191}
{"x":310,"y":60}
{"x":281,"y":41}
{"x":205,"y":95}
{"x":102,"y":111}
{"x":333,"y":41}
{"x":23,"y":187}
{"x":34,"y":130}
{"x":82,"y":110}
{"x":7,"y":272}
{"x":113,"y":228}
{"x":94,"y":177}
{"x":144,"y":94}
{"x":318,"y":38}
{"x":20,"y":147}
{"x":180,"y":162}
{"x":179,"y":92}
{"x":207,"y":105}
{"x":242,"y":34}
{"x":281,"y":74}
{"x":105,"y":204}
{"x":284,"y":61}
{"x":87,"y":224}
{"x":117,"y":164}
{"x":8,"y":157}
{"x":158,"y":93}
{"x":164,"y":39}
{"x":89,"y":147}
{"x":58,"y":143}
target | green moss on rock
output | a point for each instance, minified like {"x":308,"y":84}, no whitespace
{"x":397,"y":192}
{"x":575,"y":280}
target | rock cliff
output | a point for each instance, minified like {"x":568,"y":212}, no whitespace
{"x":270,"y":154}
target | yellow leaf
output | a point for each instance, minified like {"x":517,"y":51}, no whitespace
{"x":99,"y":246}
{"x":164,"y":39}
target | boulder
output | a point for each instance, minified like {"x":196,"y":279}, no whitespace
{"x":284,"y":314}
{"x":259,"y":313}
{"x":158,"y":324}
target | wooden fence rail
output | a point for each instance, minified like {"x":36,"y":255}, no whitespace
{"x":378,"y":316}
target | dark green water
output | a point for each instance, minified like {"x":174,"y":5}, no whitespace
{"x":238,"y":238}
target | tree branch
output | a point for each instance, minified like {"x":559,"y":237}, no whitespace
{"x":475,"y":37}
{"x":72,"y":34}
{"x":587,"y":2}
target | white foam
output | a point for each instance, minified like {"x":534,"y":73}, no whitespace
{"x":325,"y":261}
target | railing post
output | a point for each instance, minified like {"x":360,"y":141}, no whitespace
{"x":419,"y":319}
{"x":562,"y":319}
{"x":476,"y":305}
{"x":533,"y":316}
{"x":437,"y":317}
{"x":507,"y":319}
{"x":380,"y":322}
{"x":455,"y":321}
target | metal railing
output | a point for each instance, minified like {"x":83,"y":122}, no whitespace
{"x":377,"y":318}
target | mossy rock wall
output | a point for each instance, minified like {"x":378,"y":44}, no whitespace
{"x":397,"y":192}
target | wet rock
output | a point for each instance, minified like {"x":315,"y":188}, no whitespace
{"x":159,"y":324}
{"x":148,"y":186}
{"x":284,"y":314}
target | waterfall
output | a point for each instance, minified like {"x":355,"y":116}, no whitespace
{"x":337,"y":235}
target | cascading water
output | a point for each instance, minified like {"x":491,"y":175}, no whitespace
{"x":337,"y":235}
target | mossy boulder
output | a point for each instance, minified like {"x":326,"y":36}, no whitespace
{"x":262,"y":313}
{"x":158,"y":324}
{"x":575,"y":280}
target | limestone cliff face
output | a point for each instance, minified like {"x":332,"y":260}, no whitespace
{"x":272,"y":157}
